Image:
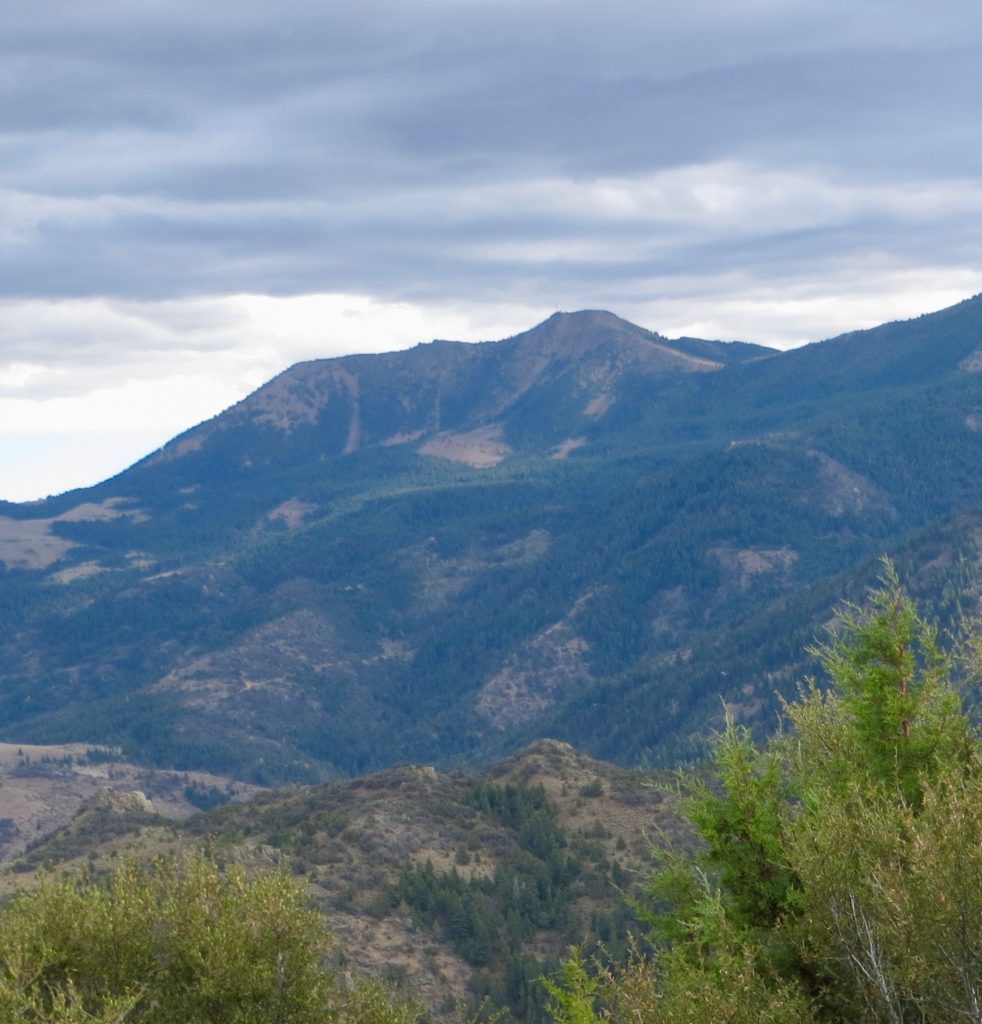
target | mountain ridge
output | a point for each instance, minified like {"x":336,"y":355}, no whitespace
{"x":436,"y":553}
{"x":446,"y":376}
{"x":567,"y":834}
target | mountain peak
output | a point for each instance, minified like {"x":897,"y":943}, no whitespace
{"x":589,"y":318}
{"x":434,"y":395}
{"x":593,"y":333}
{"x":590,"y":322}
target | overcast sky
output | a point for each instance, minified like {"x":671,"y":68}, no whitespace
{"x":193,"y":196}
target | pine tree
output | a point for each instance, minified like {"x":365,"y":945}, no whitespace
{"x":840,"y":876}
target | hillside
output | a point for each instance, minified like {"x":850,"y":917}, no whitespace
{"x":450,"y":885}
{"x":587,"y":531}
{"x":44,"y":787}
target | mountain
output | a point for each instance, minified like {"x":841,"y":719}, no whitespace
{"x":587,"y":530}
{"x":475,"y":404}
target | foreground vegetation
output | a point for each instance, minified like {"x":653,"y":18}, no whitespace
{"x":176,"y":943}
{"x":841,"y":878}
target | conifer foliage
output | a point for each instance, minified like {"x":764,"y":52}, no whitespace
{"x":840,"y":876}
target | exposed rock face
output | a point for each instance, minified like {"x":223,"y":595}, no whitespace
{"x":120,"y":802}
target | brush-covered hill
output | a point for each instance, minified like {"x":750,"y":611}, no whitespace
{"x":450,"y":885}
{"x":587,"y":530}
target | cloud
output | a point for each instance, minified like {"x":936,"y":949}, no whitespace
{"x":424,"y":242}
{"x":732,"y":306}
{"x":70,"y":348}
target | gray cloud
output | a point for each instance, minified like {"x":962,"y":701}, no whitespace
{"x":173,"y":149}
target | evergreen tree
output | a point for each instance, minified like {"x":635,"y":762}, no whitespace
{"x":901,"y":723}
{"x":840,"y":877}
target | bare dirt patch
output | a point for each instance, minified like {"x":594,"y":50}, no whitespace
{"x":533,"y":679}
{"x":479,"y":448}
{"x":267,"y":659}
{"x":757,"y":560}
{"x":78,"y":572}
{"x":972,"y":363}
{"x":299,"y":396}
{"x":111,"y":508}
{"x":439,"y":579}
{"x":350,"y":383}
{"x":748,"y":563}
{"x":292,"y":512}
{"x":569,"y":445}
{"x":395,"y":949}
{"x":43,"y":787}
{"x":285,"y":402}
{"x":31,"y":544}
{"x":182,"y":446}
{"x":846,"y":491}
{"x":596,"y":407}
{"x":140,"y":560}
{"x":394,"y":439}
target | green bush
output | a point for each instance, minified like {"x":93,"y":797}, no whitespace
{"x":175,"y":943}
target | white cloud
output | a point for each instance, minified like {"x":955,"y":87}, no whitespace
{"x":164,"y":406}
{"x":76,"y":346}
{"x":721,"y":197}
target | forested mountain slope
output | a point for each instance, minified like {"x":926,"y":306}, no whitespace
{"x":587,"y":530}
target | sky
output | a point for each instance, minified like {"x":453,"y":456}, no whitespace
{"x":194,"y":196}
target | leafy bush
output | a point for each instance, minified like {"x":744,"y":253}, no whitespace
{"x":176,"y":943}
